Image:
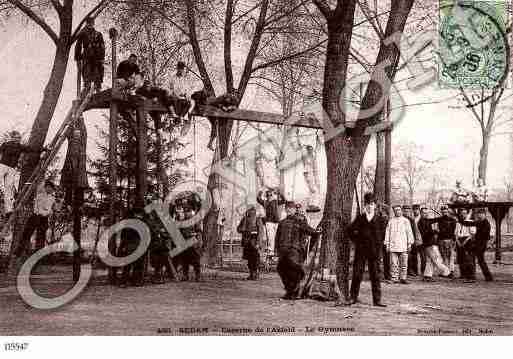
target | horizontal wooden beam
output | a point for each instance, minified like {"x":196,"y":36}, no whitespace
{"x":103,"y":99}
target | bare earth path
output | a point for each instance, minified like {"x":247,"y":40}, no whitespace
{"x":225,"y":303}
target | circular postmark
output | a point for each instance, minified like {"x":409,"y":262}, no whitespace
{"x":473,"y":46}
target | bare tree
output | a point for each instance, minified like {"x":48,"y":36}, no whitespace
{"x":345,"y":151}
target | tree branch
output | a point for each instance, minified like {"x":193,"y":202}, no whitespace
{"x":324,"y":8}
{"x":255,"y":43}
{"x":57,"y":5}
{"x":191,"y":20}
{"x":94,"y":11}
{"x":34,"y":17}
{"x":288,"y":57}
{"x":228,"y":46}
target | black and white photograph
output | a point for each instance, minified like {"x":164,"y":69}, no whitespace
{"x":256,"y":168}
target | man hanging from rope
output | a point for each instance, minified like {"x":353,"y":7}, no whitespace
{"x":10,"y":152}
{"x":90,"y":55}
{"x":310,"y":173}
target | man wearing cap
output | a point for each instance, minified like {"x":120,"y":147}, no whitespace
{"x":366,"y":232}
{"x":44,"y":202}
{"x":460,"y":195}
{"x":290,"y":250}
{"x":126,"y":72}
{"x":447,"y":226}
{"x":398,"y":242}
{"x":430,"y":244}
{"x":90,"y":55}
{"x":412,"y":255}
{"x":252,"y":229}
{"x":10,"y":152}
{"x":480,"y":241}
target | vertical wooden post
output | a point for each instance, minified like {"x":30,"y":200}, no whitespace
{"x":76,"y":201}
{"x":79,"y":79}
{"x":388,"y":159}
{"x":142,"y":157}
{"x":113,"y":136}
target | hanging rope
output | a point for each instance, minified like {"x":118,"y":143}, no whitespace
{"x":194,"y":144}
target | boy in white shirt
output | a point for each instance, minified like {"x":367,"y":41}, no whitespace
{"x":43,"y":206}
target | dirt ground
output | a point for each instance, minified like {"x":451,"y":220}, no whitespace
{"x":225,"y":303}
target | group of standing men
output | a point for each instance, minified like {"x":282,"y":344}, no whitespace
{"x":395,"y":245}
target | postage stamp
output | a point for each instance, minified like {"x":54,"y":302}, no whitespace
{"x":473,"y":44}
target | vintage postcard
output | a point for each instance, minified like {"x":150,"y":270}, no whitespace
{"x":255,"y":168}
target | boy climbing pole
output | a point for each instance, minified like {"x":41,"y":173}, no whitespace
{"x":90,"y":55}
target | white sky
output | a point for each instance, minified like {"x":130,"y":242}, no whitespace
{"x":26,"y":54}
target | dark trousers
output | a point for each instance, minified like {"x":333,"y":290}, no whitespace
{"x":384,"y":267}
{"x":291,"y":272}
{"x":133,"y":273}
{"x":252,"y":255}
{"x":190,"y":257}
{"x":466,"y":262}
{"x":479,"y":254}
{"x":36,"y":223}
{"x":92,"y":72}
{"x":413,"y":262}
{"x":358,"y":269}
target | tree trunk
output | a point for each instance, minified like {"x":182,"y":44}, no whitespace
{"x":380,"y":175}
{"x":388,"y":167}
{"x":46,"y":110}
{"x":211,"y":230}
{"x":483,"y":157}
{"x":344,"y":157}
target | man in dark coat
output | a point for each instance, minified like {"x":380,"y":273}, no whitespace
{"x":480,"y":241}
{"x":430,"y":245}
{"x":192,"y":255}
{"x":75,"y":164}
{"x":90,"y":55}
{"x":447,"y":226}
{"x":133,"y":273}
{"x":290,"y":247}
{"x":271,"y":200}
{"x":413,"y":263}
{"x":252,"y":229}
{"x":366,"y":232}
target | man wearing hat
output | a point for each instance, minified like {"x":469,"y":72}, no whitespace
{"x":252,"y":229}
{"x":480,"y":241}
{"x":447,"y":226}
{"x":90,"y":55}
{"x":43,"y":206}
{"x":10,"y":152}
{"x":290,"y":247}
{"x":366,"y":232}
